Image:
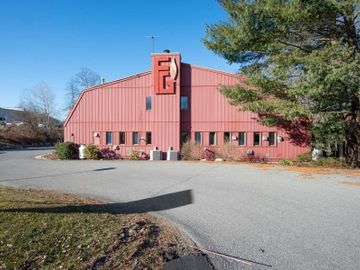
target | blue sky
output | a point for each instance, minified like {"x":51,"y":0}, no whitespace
{"x":49,"y":40}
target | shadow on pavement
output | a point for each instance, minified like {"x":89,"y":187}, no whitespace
{"x":34,"y":148}
{"x":158,"y":203}
{"x":59,"y":174}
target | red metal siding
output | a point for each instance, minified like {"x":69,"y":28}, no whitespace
{"x":209,"y":111}
{"x":120,"y":106}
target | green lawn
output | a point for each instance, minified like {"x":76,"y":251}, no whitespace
{"x":32,"y":237}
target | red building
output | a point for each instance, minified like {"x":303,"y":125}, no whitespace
{"x":174,"y":100}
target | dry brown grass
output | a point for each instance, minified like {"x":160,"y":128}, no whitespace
{"x":32,"y":236}
{"x":305,"y":171}
{"x":351,"y":183}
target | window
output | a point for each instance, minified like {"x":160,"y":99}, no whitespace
{"x":272,"y":138}
{"x":257,"y":138}
{"x":108,"y":137}
{"x":184,"y":137}
{"x":212,"y":138}
{"x":148,"y":137}
{"x":122,"y":138}
{"x":198,"y":138}
{"x":227,"y":136}
{"x":184,"y":103}
{"x":148,"y":103}
{"x":135,"y":138}
{"x":242,"y":138}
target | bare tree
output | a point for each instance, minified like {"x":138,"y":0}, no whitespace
{"x":85,"y":78}
{"x":39,"y":100}
{"x":72,"y":93}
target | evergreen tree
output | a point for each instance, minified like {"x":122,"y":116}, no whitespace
{"x":301,"y":59}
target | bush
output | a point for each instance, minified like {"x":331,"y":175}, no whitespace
{"x":330,"y":162}
{"x":190,"y":151}
{"x":67,"y":150}
{"x":254,"y":159}
{"x":286,"y":162}
{"x":91,"y":152}
{"x":135,"y":155}
{"x":228,"y":152}
{"x":108,"y":154}
{"x":306,"y":157}
{"x":208,"y":154}
{"x":27,"y":135}
{"x":144,"y":156}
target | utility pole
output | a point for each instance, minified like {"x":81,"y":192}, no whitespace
{"x":153,"y":41}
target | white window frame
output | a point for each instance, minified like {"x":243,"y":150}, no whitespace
{"x":138,"y":138}
{"x":215,"y":138}
{"x":275,"y":138}
{"x":260,"y":138}
{"x":245,"y":138}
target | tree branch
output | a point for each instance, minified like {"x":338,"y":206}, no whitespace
{"x":293,"y":45}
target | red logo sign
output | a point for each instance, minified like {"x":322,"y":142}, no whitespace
{"x":165,"y":73}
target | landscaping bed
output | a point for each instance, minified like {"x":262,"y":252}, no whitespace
{"x":48,"y":230}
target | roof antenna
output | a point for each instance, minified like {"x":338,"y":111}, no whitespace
{"x":153,"y":41}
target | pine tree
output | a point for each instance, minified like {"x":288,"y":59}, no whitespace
{"x":301,"y":59}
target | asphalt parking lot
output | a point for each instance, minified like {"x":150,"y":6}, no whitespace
{"x":271,"y":218}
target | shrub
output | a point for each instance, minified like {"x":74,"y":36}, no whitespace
{"x":306,"y":157}
{"x":135,"y":155}
{"x":91,"y":152}
{"x":330,"y":162}
{"x":228,"y":152}
{"x":190,"y":151}
{"x":286,"y":162}
{"x":208,"y":154}
{"x":67,"y":150}
{"x":108,"y":154}
{"x":144,"y":156}
{"x":253,"y":159}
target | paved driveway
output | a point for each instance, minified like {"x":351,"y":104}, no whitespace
{"x":275,"y":218}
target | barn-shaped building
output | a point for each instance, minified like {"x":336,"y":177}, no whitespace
{"x":173,"y":102}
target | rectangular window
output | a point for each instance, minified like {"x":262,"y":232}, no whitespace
{"x":212,"y":138}
{"x":184,"y":103}
{"x":242,"y":138}
{"x":148,"y":137}
{"x":198,"y":138}
{"x":108,"y":137}
{"x":257,"y":138}
{"x":122,"y":138}
{"x":184,"y":137}
{"x":227,"y":136}
{"x":148,"y":103}
{"x":272,"y":138}
{"x":135,"y":138}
